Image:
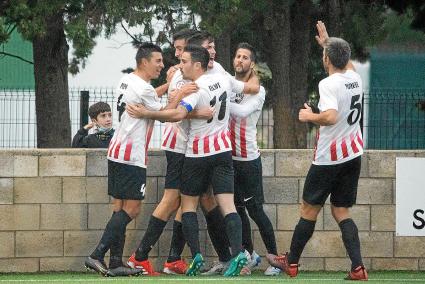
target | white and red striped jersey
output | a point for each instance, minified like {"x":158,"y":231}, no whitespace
{"x":210,"y":137}
{"x":130,"y":142}
{"x":342,"y":141}
{"x":245,"y":110}
{"x":175,"y":136}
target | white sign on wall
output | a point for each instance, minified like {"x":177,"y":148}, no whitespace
{"x":410,"y":196}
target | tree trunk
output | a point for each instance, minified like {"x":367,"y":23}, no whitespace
{"x":222,"y":47}
{"x":51,"y":86}
{"x":301,"y":24}
{"x":278,"y":24}
{"x":333,"y":10}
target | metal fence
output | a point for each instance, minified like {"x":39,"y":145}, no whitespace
{"x":393,"y":119}
{"x":18,"y":122}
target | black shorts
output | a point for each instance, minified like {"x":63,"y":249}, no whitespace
{"x":340,"y":181}
{"x":248,"y":182}
{"x":126,"y":181}
{"x":174,"y":170}
{"x":216,"y":170}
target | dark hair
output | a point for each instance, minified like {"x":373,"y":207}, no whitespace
{"x":145,"y":51}
{"x":199,"y":37}
{"x":198,"y":54}
{"x":184,"y":34}
{"x":245,"y":45}
{"x":97,"y":108}
{"x":338,"y":51}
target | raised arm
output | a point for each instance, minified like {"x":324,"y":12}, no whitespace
{"x":328,"y":117}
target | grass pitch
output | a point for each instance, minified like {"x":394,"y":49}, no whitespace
{"x":257,"y":277}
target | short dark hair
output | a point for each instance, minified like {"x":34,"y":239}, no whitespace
{"x":198,"y":54}
{"x":145,"y":51}
{"x":97,"y":108}
{"x":184,"y":34}
{"x":245,"y":45}
{"x":338,"y":51}
{"x":199,"y":38}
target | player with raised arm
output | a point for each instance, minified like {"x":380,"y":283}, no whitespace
{"x":337,"y":158}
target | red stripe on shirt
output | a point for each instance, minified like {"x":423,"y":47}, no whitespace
{"x":206,"y":144}
{"x":117,"y":150}
{"x":344,"y":148}
{"x":243,"y":138}
{"x":195,"y":145}
{"x":168,"y":136}
{"x":148,"y":139}
{"x":224,"y":138}
{"x":127,"y":152}
{"x":317,"y":143}
{"x":232,"y":135}
{"x":353,"y":144}
{"x":359,"y":139}
{"x":173,"y":141}
{"x":333,"y":151}
{"x":216,"y":145}
{"x":112,"y":147}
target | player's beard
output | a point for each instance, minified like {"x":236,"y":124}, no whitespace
{"x":241,"y":72}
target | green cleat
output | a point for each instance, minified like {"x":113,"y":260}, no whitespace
{"x":195,"y":265}
{"x":236,"y":264}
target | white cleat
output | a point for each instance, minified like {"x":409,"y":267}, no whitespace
{"x":217,"y":268}
{"x":272,"y":271}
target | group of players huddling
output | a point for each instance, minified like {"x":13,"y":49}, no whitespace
{"x":213,"y":159}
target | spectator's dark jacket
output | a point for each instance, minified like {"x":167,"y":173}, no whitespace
{"x":96,"y":140}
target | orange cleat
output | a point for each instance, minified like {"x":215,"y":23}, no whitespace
{"x":175,"y":267}
{"x":145,"y":265}
{"x":359,"y":273}
{"x":281,"y":262}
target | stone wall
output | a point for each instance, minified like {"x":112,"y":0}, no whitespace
{"x":54,"y":206}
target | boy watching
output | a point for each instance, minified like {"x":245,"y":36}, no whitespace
{"x":101,"y":117}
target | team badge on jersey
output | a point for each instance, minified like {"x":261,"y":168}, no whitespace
{"x":239,"y":97}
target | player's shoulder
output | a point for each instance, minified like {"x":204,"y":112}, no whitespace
{"x":218,"y":68}
{"x":262,"y":92}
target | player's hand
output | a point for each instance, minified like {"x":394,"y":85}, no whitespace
{"x":205,"y":112}
{"x":89,"y":126}
{"x":170,"y":72}
{"x":188,"y":89}
{"x":322,"y":36}
{"x":136,"y":111}
{"x":304,"y":114}
{"x":173,"y":96}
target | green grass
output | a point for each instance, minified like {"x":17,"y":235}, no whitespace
{"x":304,"y":277}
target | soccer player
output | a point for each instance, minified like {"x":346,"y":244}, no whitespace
{"x":127,"y":160}
{"x":245,"y":111}
{"x":337,"y":159}
{"x":208,"y":156}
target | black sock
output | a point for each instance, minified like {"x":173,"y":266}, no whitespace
{"x":350,"y":237}
{"x":219,"y":239}
{"x":246,"y":230}
{"x":177,"y":242}
{"x":116,"y":252}
{"x":303,"y":232}
{"x":256,"y":212}
{"x":191,"y":231}
{"x":152,"y":234}
{"x":234,"y":232}
{"x":112,"y":234}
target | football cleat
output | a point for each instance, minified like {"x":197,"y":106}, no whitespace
{"x":123,"y":271}
{"x":217,"y":268}
{"x":175,"y":267}
{"x":145,"y":266}
{"x":96,"y":265}
{"x":359,"y":273}
{"x":195,"y":265}
{"x":272,"y":271}
{"x":236,"y":265}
